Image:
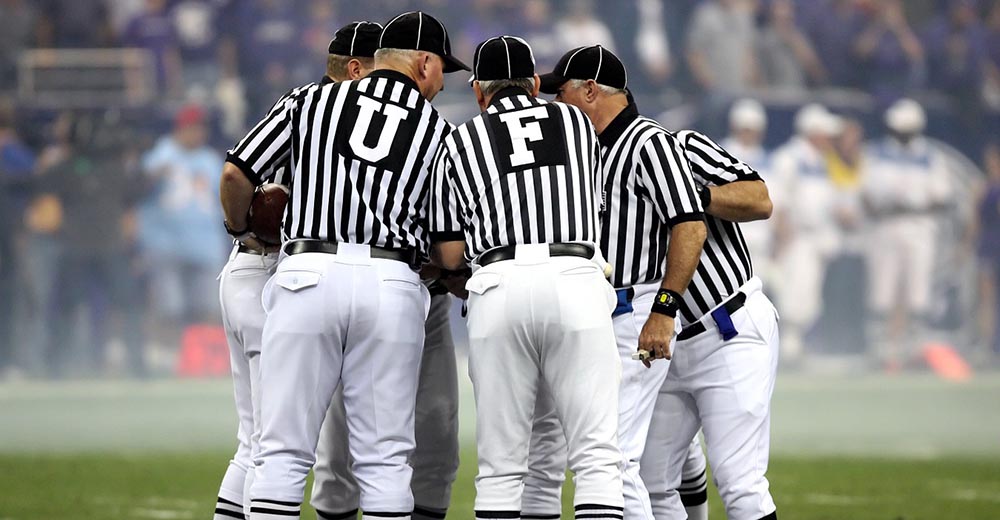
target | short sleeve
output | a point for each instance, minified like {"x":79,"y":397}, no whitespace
{"x":712,"y":164}
{"x":445,"y":224}
{"x":268,"y":146}
{"x":666,"y":175}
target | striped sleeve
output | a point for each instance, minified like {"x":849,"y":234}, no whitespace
{"x":267,"y":148}
{"x":666,"y":176}
{"x":445,"y":224}
{"x":711,"y":163}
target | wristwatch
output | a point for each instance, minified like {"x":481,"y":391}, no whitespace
{"x":238,"y":235}
{"x":667,"y":302}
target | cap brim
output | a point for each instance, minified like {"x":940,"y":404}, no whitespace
{"x":551,"y":83}
{"x":453,"y":64}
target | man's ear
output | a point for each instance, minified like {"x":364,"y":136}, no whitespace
{"x":425,"y":64}
{"x":538,"y":86}
{"x":354,"y":69}
{"x":592,"y":90}
{"x":480,"y":98}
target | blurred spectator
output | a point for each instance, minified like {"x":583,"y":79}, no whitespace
{"x":94,"y":192}
{"x":989,"y":251}
{"x":73,"y":24}
{"x":537,"y":30}
{"x":991,"y":90}
{"x":787,"y":59}
{"x":906,"y":185}
{"x":720,"y":46}
{"x":16,"y":165}
{"x":891,"y":56}
{"x":202,"y":40}
{"x":747,"y":127}
{"x":316,"y":35}
{"x":269,"y":46}
{"x":956,"y":52}
{"x":807,"y":219}
{"x":17,"y":19}
{"x":180,"y":228}
{"x":153,"y":30}
{"x":834,"y":26}
{"x":651,"y":42}
{"x":41,"y":254}
{"x":580,"y":27}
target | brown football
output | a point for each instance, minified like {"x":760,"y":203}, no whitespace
{"x":267,"y":209}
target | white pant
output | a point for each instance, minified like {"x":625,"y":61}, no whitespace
{"x":435,"y":458}
{"x":339,"y":319}
{"x":724,"y":388}
{"x":240,"y":286}
{"x":639,"y":386}
{"x":536,"y":321}
{"x":901,"y":264}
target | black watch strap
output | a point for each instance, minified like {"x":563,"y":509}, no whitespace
{"x":666,"y":302}
{"x":705,"y":194}
{"x":236,"y":233}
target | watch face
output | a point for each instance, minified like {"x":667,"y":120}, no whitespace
{"x":664,"y":299}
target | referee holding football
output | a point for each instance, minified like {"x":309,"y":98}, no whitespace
{"x":517,"y":192}
{"x":346,"y":305}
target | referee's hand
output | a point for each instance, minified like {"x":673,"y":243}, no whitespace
{"x":655,"y":337}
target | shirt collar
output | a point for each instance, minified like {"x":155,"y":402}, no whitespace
{"x":618,"y":125}
{"x":506,"y":92}
{"x":395,"y":76}
{"x":327,"y":80}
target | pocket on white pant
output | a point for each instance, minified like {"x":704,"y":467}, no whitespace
{"x":482,"y":282}
{"x":296,"y":281}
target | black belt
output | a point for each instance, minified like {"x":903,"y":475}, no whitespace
{"x":732,"y":305}
{"x":408,"y":256}
{"x":499,"y":254}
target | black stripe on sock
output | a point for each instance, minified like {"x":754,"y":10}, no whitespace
{"x":269,"y":511}
{"x":540,"y":517}
{"x":695,"y":479}
{"x":417,"y":510}
{"x":233,"y":514}
{"x":598,"y":506}
{"x":230,"y":503}
{"x":386,"y":514}
{"x":337,"y":516}
{"x":276,"y":502}
{"x":602,"y":516}
{"x":772,"y":516}
{"x":693,"y":489}
{"x":498,"y":514}
{"x":695,"y":499}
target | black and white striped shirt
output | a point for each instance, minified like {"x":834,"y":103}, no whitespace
{"x":725,"y":261}
{"x":525,"y":171}
{"x":648,"y":189}
{"x":360,"y":153}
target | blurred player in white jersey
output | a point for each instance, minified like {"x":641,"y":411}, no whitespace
{"x":905,"y":186}
{"x":809,"y":210}
{"x":747,"y":126}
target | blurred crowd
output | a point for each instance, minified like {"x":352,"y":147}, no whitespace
{"x":111,"y":232}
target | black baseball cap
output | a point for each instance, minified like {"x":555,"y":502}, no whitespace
{"x":357,"y":39}
{"x":503,"y":57}
{"x":593,"y":62}
{"x":419,"y":31}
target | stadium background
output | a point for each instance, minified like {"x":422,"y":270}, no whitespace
{"x":109,"y":245}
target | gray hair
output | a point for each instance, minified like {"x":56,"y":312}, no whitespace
{"x":397,"y":54}
{"x":493,"y":86}
{"x":606,"y":90}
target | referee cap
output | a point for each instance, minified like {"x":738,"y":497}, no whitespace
{"x":503,"y":57}
{"x":419,"y":31}
{"x":593,"y":62}
{"x":356,"y":39}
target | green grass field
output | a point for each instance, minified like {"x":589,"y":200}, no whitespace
{"x":866,"y":447}
{"x":181,"y":486}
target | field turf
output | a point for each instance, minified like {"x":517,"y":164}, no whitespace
{"x":181,"y":486}
{"x":861,"y":447}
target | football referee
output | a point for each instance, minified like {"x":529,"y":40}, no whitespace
{"x":346,"y":305}
{"x":652,"y":234}
{"x":517,"y":192}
